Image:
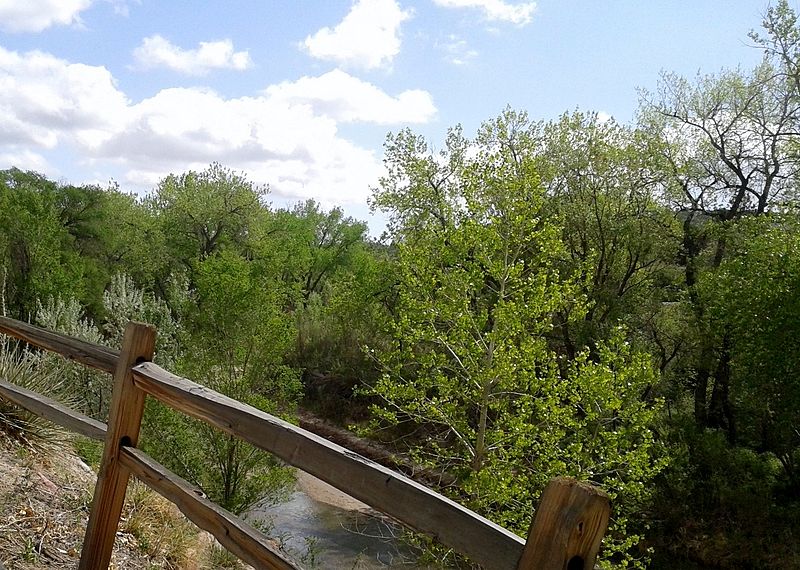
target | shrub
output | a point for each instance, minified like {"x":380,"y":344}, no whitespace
{"x":23,"y":368}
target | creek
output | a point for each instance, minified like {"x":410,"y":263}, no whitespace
{"x":323,"y":528}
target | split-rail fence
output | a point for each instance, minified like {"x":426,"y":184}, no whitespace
{"x":565,"y":534}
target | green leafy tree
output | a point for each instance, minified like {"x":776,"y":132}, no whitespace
{"x":753,"y":303}
{"x":469,"y":375}
{"x":237,"y":335}
{"x":729,"y":150}
{"x":602,"y":182}
{"x":38,"y":257}
{"x":311,"y":245}
{"x":201,"y":213}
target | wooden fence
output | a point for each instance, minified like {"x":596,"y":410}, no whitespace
{"x":565,"y":534}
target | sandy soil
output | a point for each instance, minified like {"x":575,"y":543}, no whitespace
{"x":320,"y":491}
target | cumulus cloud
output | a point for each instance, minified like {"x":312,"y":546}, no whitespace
{"x":38,"y":15}
{"x":496,"y":10}
{"x":43,"y":97}
{"x":24,"y":159}
{"x":368,"y":37}
{"x":286,"y":136}
{"x":345,"y":98}
{"x":156,"y":51}
{"x":297,"y":152}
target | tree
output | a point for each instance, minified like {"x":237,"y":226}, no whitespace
{"x":339,"y":283}
{"x":202,"y":213}
{"x":469,"y":377}
{"x":729,"y":149}
{"x":753,"y":305}
{"x":38,"y":258}
{"x":237,"y":335}
{"x":311,"y":245}
{"x":602,"y":180}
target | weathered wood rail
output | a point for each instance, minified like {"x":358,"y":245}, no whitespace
{"x":566,"y":532}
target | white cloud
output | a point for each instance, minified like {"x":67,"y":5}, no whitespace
{"x":24,"y":159}
{"x":121,"y":6}
{"x":38,"y":15}
{"x":157,"y":51}
{"x":43,"y":98}
{"x":368,"y":37}
{"x":344,"y":98}
{"x":298,"y":153}
{"x":457,"y":51}
{"x":286,"y":136}
{"x":496,"y":10}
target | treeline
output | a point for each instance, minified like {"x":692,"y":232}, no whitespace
{"x":248,"y":299}
{"x":619,"y":303}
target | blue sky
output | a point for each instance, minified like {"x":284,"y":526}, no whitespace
{"x":299,"y":94}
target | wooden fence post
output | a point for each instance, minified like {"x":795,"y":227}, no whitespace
{"x":568,"y":527}
{"x":124,"y":421}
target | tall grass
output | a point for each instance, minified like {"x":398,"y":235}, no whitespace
{"x":24,"y":368}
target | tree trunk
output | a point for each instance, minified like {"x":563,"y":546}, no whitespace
{"x":720,"y":413}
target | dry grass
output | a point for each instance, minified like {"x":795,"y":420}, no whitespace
{"x":163,"y":534}
{"x":44,"y":507}
{"x":18,"y":426}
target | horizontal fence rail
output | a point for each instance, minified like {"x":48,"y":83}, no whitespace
{"x":234,"y":534}
{"x":54,"y":411}
{"x":90,"y":354}
{"x":565,"y":534}
{"x":392,"y":493}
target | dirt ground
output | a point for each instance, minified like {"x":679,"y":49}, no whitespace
{"x":44,"y":509}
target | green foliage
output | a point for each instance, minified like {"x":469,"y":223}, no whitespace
{"x":239,"y":327}
{"x":235,"y":343}
{"x":753,"y":306}
{"x":602,"y":179}
{"x":310,"y":246}
{"x":334,"y":326}
{"x":37,"y":252}
{"x":469,"y":373}
{"x":230,"y":472}
{"x":89,"y":450}
{"x":201,"y":213}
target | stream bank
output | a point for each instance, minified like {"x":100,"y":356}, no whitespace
{"x":324,"y":528}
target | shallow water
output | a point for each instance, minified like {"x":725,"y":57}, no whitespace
{"x":320,"y":535}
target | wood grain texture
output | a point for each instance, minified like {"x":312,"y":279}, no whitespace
{"x":237,"y":536}
{"x":54,"y":411}
{"x":392,"y":493}
{"x":124,"y":421}
{"x":92,"y":355}
{"x":567,"y":528}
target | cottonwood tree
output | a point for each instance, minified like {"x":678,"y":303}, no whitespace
{"x":202,"y":213}
{"x":469,"y":375}
{"x":729,"y":146}
{"x":37,"y":257}
{"x":311,"y":245}
{"x":601,"y":180}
